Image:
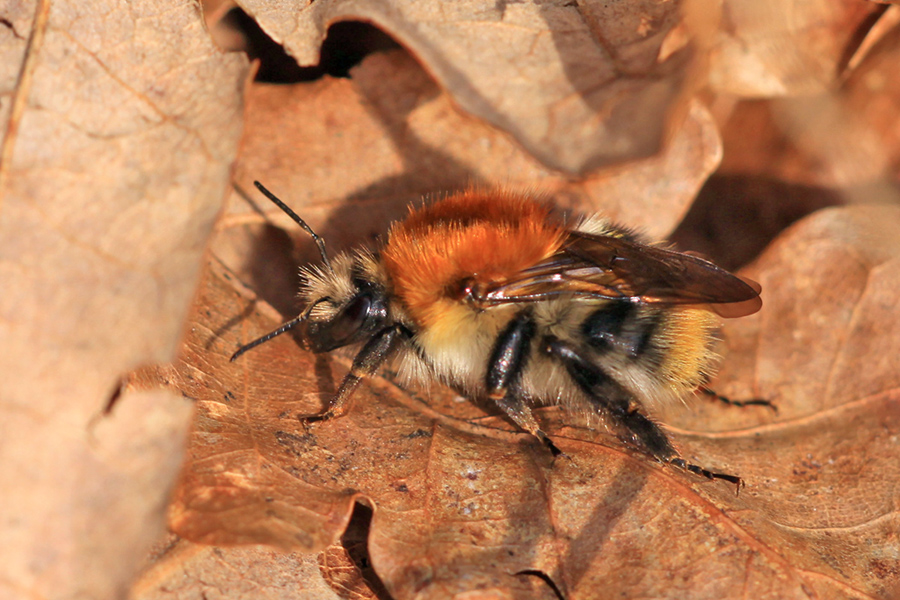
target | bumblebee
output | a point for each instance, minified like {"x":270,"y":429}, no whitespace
{"x":493,"y":294}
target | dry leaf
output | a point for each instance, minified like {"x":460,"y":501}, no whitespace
{"x":785,"y":158}
{"x":871,"y":94}
{"x":579,"y":85}
{"x":845,"y":139}
{"x":119,"y":130}
{"x":773,"y":48}
{"x":463,"y":503}
{"x":387,"y":136}
{"x":117,"y":140}
{"x":188,"y":570}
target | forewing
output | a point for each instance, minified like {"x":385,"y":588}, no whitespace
{"x":612,"y":267}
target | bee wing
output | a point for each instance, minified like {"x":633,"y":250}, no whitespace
{"x":602,"y":266}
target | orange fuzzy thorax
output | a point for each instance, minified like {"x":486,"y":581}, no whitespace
{"x":471,"y":236}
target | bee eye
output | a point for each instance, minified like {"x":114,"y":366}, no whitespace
{"x":351,"y":319}
{"x":344,"y":328}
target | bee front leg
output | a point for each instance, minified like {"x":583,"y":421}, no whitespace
{"x":378,"y":349}
{"x":617,"y":404}
{"x":508,"y":359}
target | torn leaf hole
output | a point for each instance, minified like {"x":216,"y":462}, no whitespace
{"x":347,"y":567}
{"x":546,"y":579}
{"x":345,"y":46}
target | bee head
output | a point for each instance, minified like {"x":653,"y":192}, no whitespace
{"x":333,"y":324}
{"x":346,"y":298}
{"x":346,"y":303}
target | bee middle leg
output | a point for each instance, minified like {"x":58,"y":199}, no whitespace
{"x":616,"y":402}
{"x":508,"y":359}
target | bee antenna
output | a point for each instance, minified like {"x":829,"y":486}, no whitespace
{"x":287,"y":210}
{"x":285,"y":327}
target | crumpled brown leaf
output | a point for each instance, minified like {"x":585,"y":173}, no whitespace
{"x":461,"y":502}
{"x":774,"y":48}
{"x":579,"y":85}
{"x":119,"y":124}
{"x":464,"y":504}
{"x":251,"y":572}
{"x":786,"y":157}
{"x":389,"y":135}
{"x":118,"y":130}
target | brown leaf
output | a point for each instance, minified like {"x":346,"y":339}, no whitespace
{"x":784,"y":158}
{"x":844,"y":139}
{"x":119,"y":125}
{"x":773,"y":48}
{"x":462,"y":504}
{"x":389,"y":135}
{"x":346,"y":565}
{"x":578,"y":85}
{"x":188,"y":570}
{"x":871,"y":94}
{"x":824,"y":348}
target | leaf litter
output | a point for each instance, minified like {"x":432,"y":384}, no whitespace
{"x":461,"y":503}
{"x":116,"y":150}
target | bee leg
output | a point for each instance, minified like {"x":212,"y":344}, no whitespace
{"x":726,"y":400}
{"x":366,"y":363}
{"x":505,"y":366}
{"x":616,"y":402}
{"x":515,"y":408}
{"x":680,"y":462}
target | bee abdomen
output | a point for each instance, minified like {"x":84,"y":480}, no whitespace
{"x":625,"y":327}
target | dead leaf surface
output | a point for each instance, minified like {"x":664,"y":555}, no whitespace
{"x":249,"y":572}
{"x":117,"y":140}
{"x":463,"y":503}
{"x":847,"y":139}
{"x":389,"y":136}
{"x":578,"y":85}
{"x":775,"y":48}
{"x":786,"y":157}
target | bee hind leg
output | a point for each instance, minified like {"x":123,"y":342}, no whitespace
{"x":726,"y":400}
{"x":680,"y":462}
{"x":617,"y":404}
{"x":507,"y":361}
